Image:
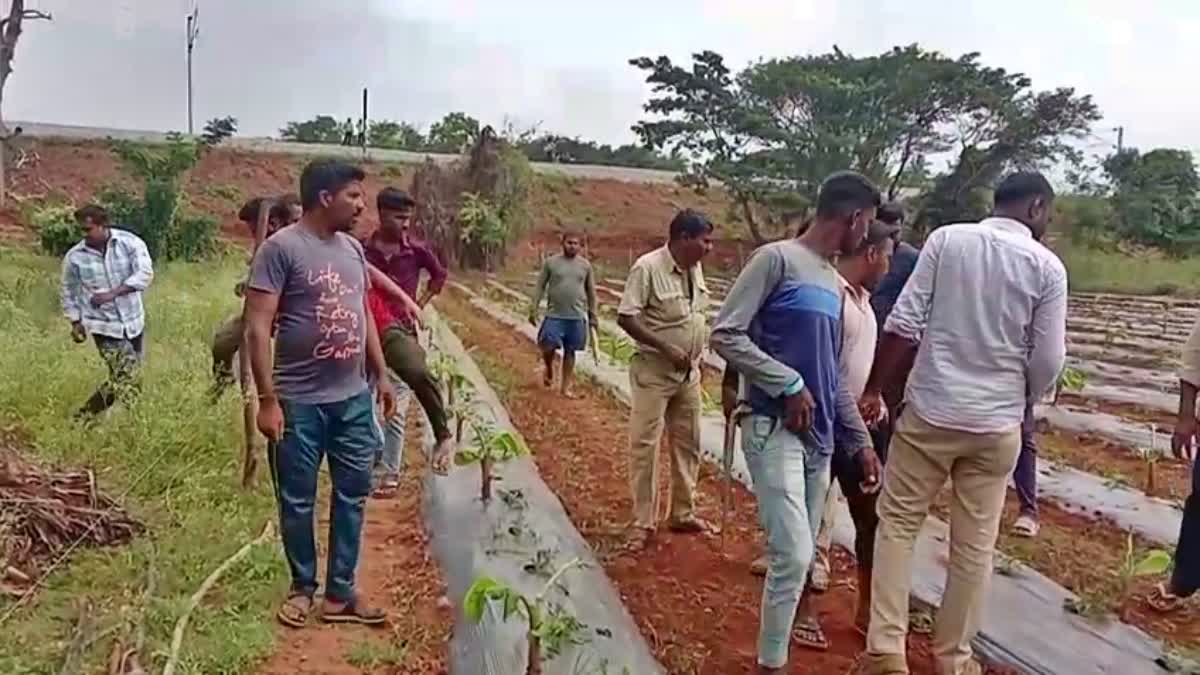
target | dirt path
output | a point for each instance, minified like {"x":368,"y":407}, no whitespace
{"x":696,"y":607}
{"x":395,"y":572}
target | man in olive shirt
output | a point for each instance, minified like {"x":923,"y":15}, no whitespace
{"x":663,"y":310}
{"x":570,"y":289}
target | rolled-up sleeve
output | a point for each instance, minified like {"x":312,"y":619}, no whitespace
{"x":143,"y":266}
{"x":1048,"y":332}
{"x":69,"y":291}
{"x":911,"y":312}
{"x":731,"y":337}
{"x":1189,"y":362}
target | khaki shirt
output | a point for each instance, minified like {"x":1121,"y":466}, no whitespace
{"x":657,"y":291}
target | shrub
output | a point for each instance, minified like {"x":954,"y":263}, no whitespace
{"x":56,"y":227}
{"x":218,"y":129}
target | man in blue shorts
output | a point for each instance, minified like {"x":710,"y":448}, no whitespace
{"x":570,"y":290}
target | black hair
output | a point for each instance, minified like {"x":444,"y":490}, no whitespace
{"x":877,"y":233}
{"x":689,"y":223}
{"x":326,"y":175}
{"x":1021,"y":186}
{"x":394,"y":199}
{"x":92,"y":212}
{"x":845,"y":192}
{"x":249,"y":211}
{"x":281,"y":210}
{"x":891,"y":213}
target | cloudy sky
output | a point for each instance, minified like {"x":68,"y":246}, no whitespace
{"x":121,"y":63}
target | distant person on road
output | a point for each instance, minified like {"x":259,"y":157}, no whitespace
{"x":401,"y":258}
{"x":1185,"y":575}
{"x":662,"y":309}
{"x":316,"y":401}
{"x":985,"y":313}
{"x":103,"y":278}
{"x":567,"y":282}
{"x":780,"y":328}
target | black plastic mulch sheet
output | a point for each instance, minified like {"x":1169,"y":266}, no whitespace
{"x":503,"y":542}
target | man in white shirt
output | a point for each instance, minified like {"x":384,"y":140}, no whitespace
{"x":103,"y":277}
{"x":985,"y":310}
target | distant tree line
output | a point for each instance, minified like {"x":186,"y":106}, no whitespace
{"x":457,"y":131}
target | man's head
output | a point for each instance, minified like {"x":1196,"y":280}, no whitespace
{"x":332,"y":191}
{"x":690,"y":237}
{"x":287,"y":210}
{"x":571,"y":243}
{"x":1026,"y":196}
{"x":873,"y":258}
{"x":93,"y":221}
{"x":847,"y":201}
{"x":395,"y":212}
{"x":890,"y":213}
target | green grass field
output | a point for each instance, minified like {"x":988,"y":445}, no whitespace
{"x":171,"y":459}
{"x":1144,"y":274}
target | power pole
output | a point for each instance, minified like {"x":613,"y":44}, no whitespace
{"x":362,"y":137}
{"x":1120,"y":138}
{"x":193,"y":30}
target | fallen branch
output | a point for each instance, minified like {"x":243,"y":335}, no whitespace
{"x":194,"y":601}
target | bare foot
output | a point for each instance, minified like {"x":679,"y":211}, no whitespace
{"x":441,"y":456}
{"x":570,"y":394}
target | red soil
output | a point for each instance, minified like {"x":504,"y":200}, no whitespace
{"x":696,"y":604}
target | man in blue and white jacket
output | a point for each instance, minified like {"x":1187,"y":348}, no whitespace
{"x":780,"y":328}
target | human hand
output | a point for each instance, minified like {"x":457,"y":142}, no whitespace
{"x":270,"y":418}
{"x":593,"y":321}
{"x":78,"y":332}
{"x":387,"y":398}
{"x":1184,"y":439}
{"x":871,"y":469}
{"x":872,"y":408}
{"x":678,"y":358}
{"x":798,"y":411}
{"x":102,"y":298}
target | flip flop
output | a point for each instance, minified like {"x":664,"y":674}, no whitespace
{"x":294,"y":611}
{"x":388,"y":487}
{"x":1026,"y":526}
{"x":354,"y":612}
{"x":808,"y":634}
{"x":1163,"y":601}
{"x":692,"y":525}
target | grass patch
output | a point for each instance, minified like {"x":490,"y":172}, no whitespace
{"x":372,"y":654}
{"x":1149,"y":273}
{"x":170,"y":458}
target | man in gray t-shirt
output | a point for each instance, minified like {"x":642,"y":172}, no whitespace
{"x":570,"y":289}
{"x":316,"y":402}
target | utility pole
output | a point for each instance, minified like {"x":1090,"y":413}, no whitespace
{"x":193,"y":30}
{"x":1120,"y":138}
{"x":362,"y":136}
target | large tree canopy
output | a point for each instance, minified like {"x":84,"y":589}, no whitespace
{"x":772,"y":132}
{"x":1154,"y":197}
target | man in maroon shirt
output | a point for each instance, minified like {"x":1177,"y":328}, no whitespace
{"x":396,"y":254}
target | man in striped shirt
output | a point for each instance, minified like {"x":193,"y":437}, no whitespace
{"x":103,"y":277}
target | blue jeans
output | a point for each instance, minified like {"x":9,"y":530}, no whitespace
{"x":390,"y":458}
{"x":790,"y":484}
{"x":346,"y":431}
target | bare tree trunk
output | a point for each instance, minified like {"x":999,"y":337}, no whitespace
{"x":751,"y":223}
{"x":905,"y":156}
{"x":10,"y":31}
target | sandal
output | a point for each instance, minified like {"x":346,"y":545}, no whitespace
{"x":1026,"y":526}
{"x":1163,"y":601}
{"x":294,"y":611}
{"x":807,"y":633}
{"x":920,"y":622}
{"x":387,"y":488}
{"x":689,"y":525}
{"x":637,"y":540}
{"x":353,"y":611}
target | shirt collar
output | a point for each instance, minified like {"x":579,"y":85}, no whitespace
{"x":857,"y":294}
{"x":1007,"y":225}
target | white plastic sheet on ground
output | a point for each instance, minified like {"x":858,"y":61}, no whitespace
{"x":462,"y":531}
{"x":1023,"y":626}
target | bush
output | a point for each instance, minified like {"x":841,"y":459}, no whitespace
{"x":56,"y":227}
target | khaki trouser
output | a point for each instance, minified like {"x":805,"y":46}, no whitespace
{"x":662,"y":393}
{"x":920,"y":458}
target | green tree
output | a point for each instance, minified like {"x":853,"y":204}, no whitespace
{"x":395,"y":135}
{"x":218,"y":129}
{"x":320,"y":129}
{"x":1154,"y":197}
{"x":454,"y":133}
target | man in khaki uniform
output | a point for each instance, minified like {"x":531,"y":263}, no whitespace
{"x":662,"y":309}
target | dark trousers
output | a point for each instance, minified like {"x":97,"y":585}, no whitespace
{"x":346,"y":432}
{"x":406,"y":358}
{"x":1025,"y":472}
{"x":124,"y":357}
{"x":1185,"y":580}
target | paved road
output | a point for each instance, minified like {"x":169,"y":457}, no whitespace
{"x":626,"y":174}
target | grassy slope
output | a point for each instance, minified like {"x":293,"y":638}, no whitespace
{"x":1116,"y":272}
{"x":171,"y":459}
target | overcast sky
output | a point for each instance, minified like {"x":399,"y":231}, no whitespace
{"x":121,"y":63}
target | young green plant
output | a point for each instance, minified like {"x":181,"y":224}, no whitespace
{"x":551,"y":628}
{"x":1070,"y":379}
{"x":491,"y":446}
